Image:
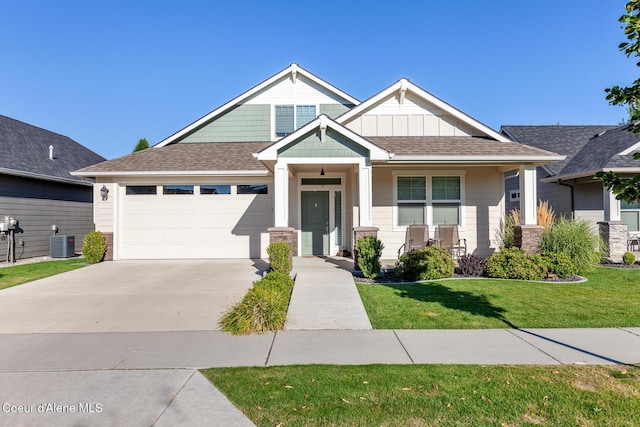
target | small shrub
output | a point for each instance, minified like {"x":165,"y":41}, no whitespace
{"x":94,"y":247}
{"x":261,"y":310}
{"x":276,"y":280}
{"x":471,"y":265}
{"x":560,"y":264}
{"x":369,"y":253}
{"x":575,"y":239}
{"x":628,"y":258}
{"x":279,"y":253}
{"x":514,"y":263}
{"x":428,"y":263}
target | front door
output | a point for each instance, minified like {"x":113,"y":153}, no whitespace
{"x":315,"y":222}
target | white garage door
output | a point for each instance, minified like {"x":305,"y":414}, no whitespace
{"x":193,"y":221}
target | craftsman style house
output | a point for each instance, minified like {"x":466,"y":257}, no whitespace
{"x":297,"y":159}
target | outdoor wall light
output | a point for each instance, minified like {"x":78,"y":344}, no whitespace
{"x":104,"y":193}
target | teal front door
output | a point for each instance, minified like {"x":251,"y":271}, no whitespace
{"x":315,"y":222}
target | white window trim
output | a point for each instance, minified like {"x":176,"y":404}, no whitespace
{"x":275,"y":137}
{"x":429,"y":200}
{"x":512,"y":197}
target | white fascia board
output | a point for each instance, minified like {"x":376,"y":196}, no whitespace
{"x":237,"y":100}
{"x":175,"y":173}
{"x":271,"y":152}
{"x":475,"y":158}
{"x":421,"y":93}
{"x":46,"y":177}
{"x":635,"y":147}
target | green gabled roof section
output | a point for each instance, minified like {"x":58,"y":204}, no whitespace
{"x":323,"y":137}
{"x":334,"y":145}
{"x":292,"y":71}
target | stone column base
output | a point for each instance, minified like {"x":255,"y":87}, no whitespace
{"x":360,"y":233}
{"x":108,"y":238}
{"x":614,"y":238}
{"x":528,"y":238}
{"x":289,"y":235}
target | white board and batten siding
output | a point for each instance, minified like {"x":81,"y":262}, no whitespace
{"x":414,"y":117}
{"x":192,"y":226}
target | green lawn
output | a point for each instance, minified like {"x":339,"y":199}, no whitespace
{"x":610,"y":298}
{"x":434,"y":395}
{"x":19,"y":274}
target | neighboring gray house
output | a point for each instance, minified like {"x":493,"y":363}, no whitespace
{"x":569,"y":185}
{"x":37,"y":189}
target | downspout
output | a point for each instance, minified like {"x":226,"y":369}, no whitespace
{"x":573,"y":207}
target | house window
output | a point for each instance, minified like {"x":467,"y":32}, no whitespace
{"x":253,"y":189}
{"x":177,"y":189}
{"x":630,"y":213}
{"x":337,"y":206}
{"x":215,"y":189}
{"x":141,"y":190}
{"x":432,"y":199}
{"x":514,"y":196}
{"x":411,"y":195}
{"x":289,"y":115}
{"x":445,"y":199}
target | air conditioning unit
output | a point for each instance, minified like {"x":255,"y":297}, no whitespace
{"x":62,"y":246}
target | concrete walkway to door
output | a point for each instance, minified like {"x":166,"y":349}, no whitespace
{"x":324,"y":297}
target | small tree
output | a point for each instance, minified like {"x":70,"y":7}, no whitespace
{"x":142,"y":144}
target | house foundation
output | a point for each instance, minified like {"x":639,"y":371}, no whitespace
{"x":528,"y":238}
{"x":614,"y":238}
{"x":358,"y":234}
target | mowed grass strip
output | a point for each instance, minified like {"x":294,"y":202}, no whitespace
{"x":19,"y":274}
{"x":610,"y":298}
{"x":434,"y":395}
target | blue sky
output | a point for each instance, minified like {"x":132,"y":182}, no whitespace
{"x":109,"y":73}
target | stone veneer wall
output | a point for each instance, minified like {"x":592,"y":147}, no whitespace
{"x":288,"y":235}
{"x":528,"y":237}
{"x":360,"y":233}
{"x":614,"y":237}
{"x":108,"y":238}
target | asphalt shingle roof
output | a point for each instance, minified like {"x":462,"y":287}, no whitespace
{"x":214,"y":156}
{"x":565,"y":140}
{"x":25,"y":148}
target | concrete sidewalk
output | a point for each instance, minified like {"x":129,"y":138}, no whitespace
{"x":324,"y":297}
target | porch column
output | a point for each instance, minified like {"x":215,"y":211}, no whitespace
{"x":528,"y":195}
{"x":365,"y":194}
{"x":281,"y":194}
{"x":528,"y":234}
{"x":611,"y":206}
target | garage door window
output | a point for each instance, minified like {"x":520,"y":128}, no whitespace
{"x":253,"y":189}
{"x":215,"y":189}
{"x":141,"y":190}
{"x":177,"y":189}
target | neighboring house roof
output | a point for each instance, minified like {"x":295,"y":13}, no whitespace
{"x":233,"y":158}
{"x":292,"y":71}
{"x":566,"y":140}
{"x":589,"y":149}
{"x":25,"y":152}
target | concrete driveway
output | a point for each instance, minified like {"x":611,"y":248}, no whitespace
{"x":127,"y":296}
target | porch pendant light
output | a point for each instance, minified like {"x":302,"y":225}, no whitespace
{"x":322,"y":171}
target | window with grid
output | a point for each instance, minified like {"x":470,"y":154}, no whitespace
{"x":411,"y":198}
{"x":445,"y":199}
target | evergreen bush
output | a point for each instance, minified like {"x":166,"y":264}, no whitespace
{"x":560,"y":264}
{"x":514,"y":263}
{"x":94,"y":247}
{"x":369,"y":252}
{"x":628,"y":258}
{"x":279,"y":257}
{"x":428,"y":263}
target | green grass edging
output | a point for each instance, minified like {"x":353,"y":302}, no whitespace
{"x":19,"y":274}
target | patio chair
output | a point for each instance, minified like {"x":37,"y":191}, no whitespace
{"x":447,"y":237}
{"x":633,"y":241}
{"x":416,"y":237}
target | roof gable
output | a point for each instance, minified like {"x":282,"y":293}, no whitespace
{"x":260,"y":94}
{"x":25,"y":152}
{"x":404,"y":109}
{"x":318,"y":132}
